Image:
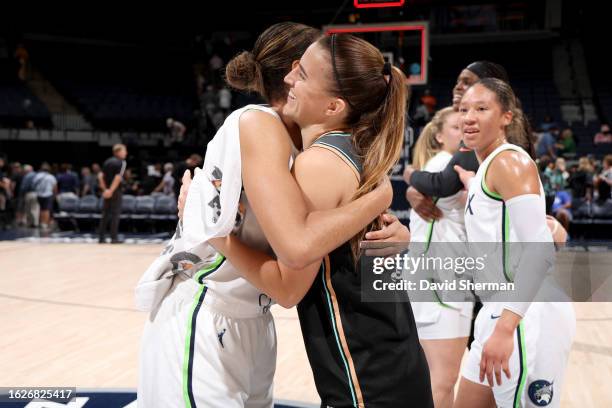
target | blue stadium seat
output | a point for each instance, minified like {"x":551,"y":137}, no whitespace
{"x":128,"y":204}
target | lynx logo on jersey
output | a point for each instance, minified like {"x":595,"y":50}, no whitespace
{"x":541,"y":392}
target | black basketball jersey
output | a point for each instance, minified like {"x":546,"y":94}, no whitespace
{"x":362,"y":354}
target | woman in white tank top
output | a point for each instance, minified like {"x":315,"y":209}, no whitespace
{"x":211,"y":341}
{"x":528,"y":341}
{"x":443,"y":327}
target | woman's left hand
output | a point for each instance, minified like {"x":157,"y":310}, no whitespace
{"x":393,"y":232}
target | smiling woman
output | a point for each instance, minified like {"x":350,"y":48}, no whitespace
{"x":350,"y":106}
{"x":507,"y":205}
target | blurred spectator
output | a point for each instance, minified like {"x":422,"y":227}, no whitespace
{"x":544,"y":163}
{"x":67,"y":180}
{"x":215,"y":63}
{"x":547,"y":124}
{"x":546,"y":145}
{"x":562,"y":208}
{"x":87,"y":182}
{"x":561,"y":167}
{"x":193,"y":161}
{"x":604,"y":136}
{"x":209,"y":100}
{"x":46,"y":188}
{"x":153,"y":178}
{"x":167,"y":184}
{"x":30,"y":199}
{"x":429,"y":101}
{"x":176,"y":130}
{"x":23,"y":57}
{"x":95,"y":172}
{"x":16,"y":180}
{"x":555,"y":175}
{"x":225,"y":100}
{"x":130,"y":185}
{"x":603,"y":181}
{"x":566,"y":147}
{"x":581,"y":181}
{"x":5,"y":185}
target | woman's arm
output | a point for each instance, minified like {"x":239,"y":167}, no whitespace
{"x":444,"y":183}
{"x":515,"y":177}
{"x":298,"y":236}
{"x":286,"y":285}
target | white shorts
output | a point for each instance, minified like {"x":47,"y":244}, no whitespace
{"x":200,"y":351}
{"x":436,"y":321}
{"x":542,"y":344}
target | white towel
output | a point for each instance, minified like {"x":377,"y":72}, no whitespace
{"x":211,"y":210}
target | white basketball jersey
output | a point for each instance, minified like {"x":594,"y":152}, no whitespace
{"x":450,"y":227}
{"x":225,"y":282}
{"x":487,"y":221}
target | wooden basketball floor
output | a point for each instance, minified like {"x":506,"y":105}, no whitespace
{"x":67,"y":319}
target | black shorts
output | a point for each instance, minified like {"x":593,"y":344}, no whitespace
{"x":46,"y":203}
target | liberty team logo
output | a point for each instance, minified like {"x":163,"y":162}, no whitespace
{"x":541,"y":392}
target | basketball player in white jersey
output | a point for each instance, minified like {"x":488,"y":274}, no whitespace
{"x":443,"y":327}
{"x":211,"y":342}
{"x":528,"y":342}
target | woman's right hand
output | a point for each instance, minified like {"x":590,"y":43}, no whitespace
{"x":186,"y":182}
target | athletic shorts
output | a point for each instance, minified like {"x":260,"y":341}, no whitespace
{"x":198,"y":350}
{"x":542,"y":344}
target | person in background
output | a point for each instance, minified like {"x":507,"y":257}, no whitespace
{"x":546,"y":145}
{"x":31,"y":208}
{"x":5,"y":189}
{"x":87,"y":182}
{"x":15,"y":185}
{"x":166,"y":186}
{"x":544,"y":164}
{"x":429,"y":101}
{"x":67,"y":180}
{"x":603,"y":181}
{"x":176,"y":129}
{"x":193,"y":161}
{"x":604,"y":136}
{"x":581,"y":182}
{"x":562,"y":208}
{"x":46,"y":188}
{"x":566,"y":147}
{"x":110,"y":180}
{"x":95,"y":172}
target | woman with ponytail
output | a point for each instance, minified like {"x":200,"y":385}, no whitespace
{"x":529,"y":341}
{"x":211,"y":341}
{"x":350,"y":106}
{"x":443,"y":326}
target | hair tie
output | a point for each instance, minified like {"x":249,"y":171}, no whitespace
{"x":386,"y":69}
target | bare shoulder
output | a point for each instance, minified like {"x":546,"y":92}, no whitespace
{"x":510,"y":163}
{"x":512,"y":173}
{"x":324,"y":177}
{"x":261,"y":128}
